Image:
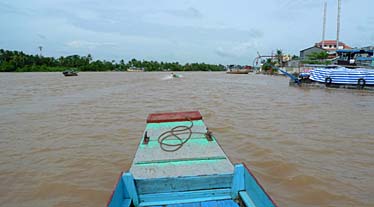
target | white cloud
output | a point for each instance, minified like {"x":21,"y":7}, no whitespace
{"x":186,"y":13}
{"x":241,"y":49}
{"x":224,"y":53}
{"x":83,"y":44}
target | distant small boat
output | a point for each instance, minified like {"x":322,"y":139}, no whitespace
{"x":180,"y":163}
{"x":135,"y":69}
{"x":232,"y":69}
{"x":70,"y":73}
{"x":238,"y":71}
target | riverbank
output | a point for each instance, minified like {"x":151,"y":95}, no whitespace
{"x":18,"y":61}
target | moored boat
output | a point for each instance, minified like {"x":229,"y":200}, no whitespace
{"x":353,"y":69}
{"x":355,"y":58}
{"x":180,"y":163}
{"x":338,"y":77}
{"x":236,"y":69}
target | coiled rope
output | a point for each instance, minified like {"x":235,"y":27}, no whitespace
{"x":174,"y":133}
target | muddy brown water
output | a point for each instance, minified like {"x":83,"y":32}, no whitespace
{"x":64,"y":140}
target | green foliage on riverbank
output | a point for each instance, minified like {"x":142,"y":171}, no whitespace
{"x":267,"y":67}
{"x":318,"y":58}
{"x":16,"y":61}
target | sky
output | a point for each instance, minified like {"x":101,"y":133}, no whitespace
{"x":210,"y":31}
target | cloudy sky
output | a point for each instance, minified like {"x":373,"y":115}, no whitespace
{"x":210,"y":31}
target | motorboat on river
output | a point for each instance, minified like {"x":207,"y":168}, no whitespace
{"x":70,"y":73}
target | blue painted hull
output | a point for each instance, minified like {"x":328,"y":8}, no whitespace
{"x":245,"y":190}
{"x":235,"y":186}
{"x":343,"y":76}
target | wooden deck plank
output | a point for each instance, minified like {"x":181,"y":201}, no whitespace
{"x":219,"y":203}
{"x":229,"y":203}
{"x":184,"y":197}
{"x":208,"y":203}
{"x":197,"y":204}
{"x":190,"y":183}
{"x":226,"y":203}
{"x":194,"y":168}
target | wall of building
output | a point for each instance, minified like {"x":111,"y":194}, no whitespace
{"x":304,"y":53}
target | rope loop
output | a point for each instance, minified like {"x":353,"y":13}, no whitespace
{"x":175,"y":132}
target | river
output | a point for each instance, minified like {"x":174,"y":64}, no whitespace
{"x":64,"y":140}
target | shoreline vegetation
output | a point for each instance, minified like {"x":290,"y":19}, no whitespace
{"x":18,"y":61}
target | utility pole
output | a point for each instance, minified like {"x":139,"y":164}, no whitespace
{"x":338,"y":25}
{"x":324,"y":24}
{"x":40,"y":49}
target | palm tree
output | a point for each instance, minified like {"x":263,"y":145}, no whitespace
{"x":279,"y":57}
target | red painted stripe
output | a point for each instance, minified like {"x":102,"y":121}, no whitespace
{"x":174,"y":116}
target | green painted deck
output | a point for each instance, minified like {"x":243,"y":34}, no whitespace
{"x":197,"y":157}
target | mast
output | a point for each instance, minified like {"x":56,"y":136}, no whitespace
{"x":324,"y":25}
{"x":338,"y":25}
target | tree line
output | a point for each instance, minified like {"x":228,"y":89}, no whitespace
{"x":18,"y":61}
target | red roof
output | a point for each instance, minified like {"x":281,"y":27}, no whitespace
{"x":333,"y":42}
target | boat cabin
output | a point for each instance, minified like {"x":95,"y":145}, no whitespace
{"x":355,"y":57}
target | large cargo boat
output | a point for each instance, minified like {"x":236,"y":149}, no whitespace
{"x":337,"y":77}
{"x":353,"y":70}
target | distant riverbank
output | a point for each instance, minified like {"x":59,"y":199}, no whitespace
{"x":18,"y":61}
